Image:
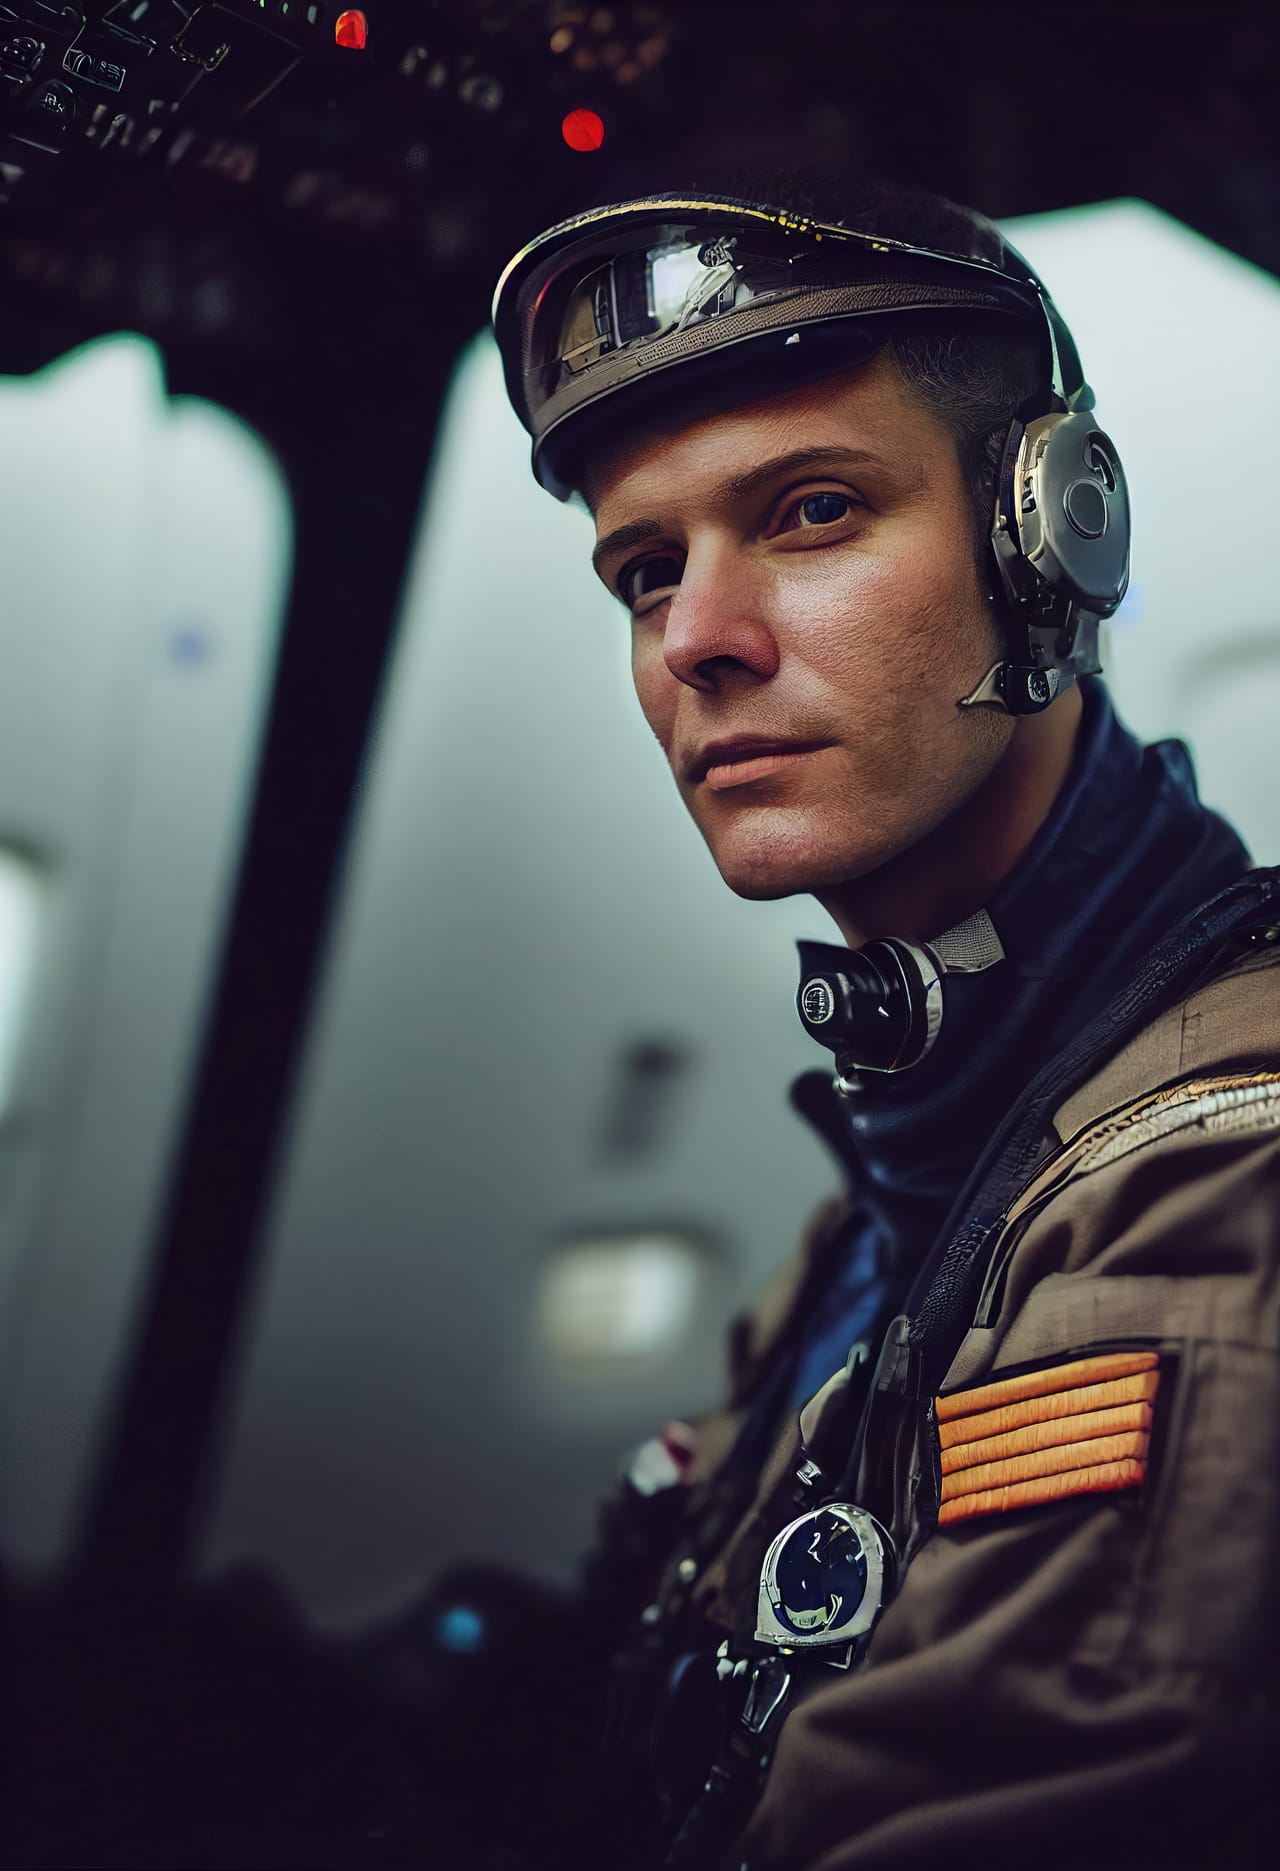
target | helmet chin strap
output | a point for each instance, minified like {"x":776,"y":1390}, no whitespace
{"x":1019,"y":688}
{"x":881,"y":1009}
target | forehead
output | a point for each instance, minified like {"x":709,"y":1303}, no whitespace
{"x":866,"y":410}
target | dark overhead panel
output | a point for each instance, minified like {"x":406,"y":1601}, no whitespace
{"x":432,"y":129}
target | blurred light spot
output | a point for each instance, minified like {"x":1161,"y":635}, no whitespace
{"x":21,"y":906}
{"x":352,"y":30}
{"x":190,"y":644}
{"x":1129,"y":610}
{"x":482,"y":91}
{"x":582,"y":130}
{"x":460,"y":1630}
{"x":611,"y":1299}
{"x":562,"y":38}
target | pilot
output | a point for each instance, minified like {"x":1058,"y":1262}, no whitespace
{"x":977,"y":1562}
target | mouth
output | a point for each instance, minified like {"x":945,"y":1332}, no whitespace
{"x":737,"y":762}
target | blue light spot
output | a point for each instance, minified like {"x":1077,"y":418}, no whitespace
{"x":190,"y":643}
{"x":460,"y":1629}
{"x":1131,"y":606}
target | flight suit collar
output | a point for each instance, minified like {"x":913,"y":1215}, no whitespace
{"x":1126,"y":850}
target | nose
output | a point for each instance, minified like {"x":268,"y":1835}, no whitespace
{"x":716,"y":631}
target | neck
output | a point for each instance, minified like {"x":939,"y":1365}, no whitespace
{"x":953,"y":871}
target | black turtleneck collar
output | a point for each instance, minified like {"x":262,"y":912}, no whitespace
{"x":1126,"y":850}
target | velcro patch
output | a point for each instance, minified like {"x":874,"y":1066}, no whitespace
{"x":1079,"y":1428}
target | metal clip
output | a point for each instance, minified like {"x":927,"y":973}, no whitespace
{"x":770,"y":1681}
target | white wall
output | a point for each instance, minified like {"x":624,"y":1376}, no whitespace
{"x":145,"y":547}
{"x":1181,"y":342}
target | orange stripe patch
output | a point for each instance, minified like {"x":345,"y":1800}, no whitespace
{"x":1044,"y":1383}
{"x":1078,"y":1428}
{"x":1045,"y":1409}
{"x":1047,"y":1435}
{"x":1050,"y":1488}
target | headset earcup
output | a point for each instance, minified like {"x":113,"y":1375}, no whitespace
{"x":1060,"y":554}
{"x":1067,"y":514}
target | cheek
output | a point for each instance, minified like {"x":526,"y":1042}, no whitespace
{"x":908,"y":615}
{"x":656,"y":688}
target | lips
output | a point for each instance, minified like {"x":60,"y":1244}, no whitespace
{"x":746,"y":747}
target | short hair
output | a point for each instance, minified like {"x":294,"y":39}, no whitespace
{"x":977,"y":373}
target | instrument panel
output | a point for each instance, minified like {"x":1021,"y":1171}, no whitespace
{"x":426,"y":126}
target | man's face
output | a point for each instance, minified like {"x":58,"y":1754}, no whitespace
{"x":828,"y":606}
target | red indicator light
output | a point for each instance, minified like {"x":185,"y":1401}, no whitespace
{"x":582,"y":129}
{"x":352,"y":30}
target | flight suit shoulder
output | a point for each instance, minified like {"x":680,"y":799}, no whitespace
{"x":1229,"y":1022}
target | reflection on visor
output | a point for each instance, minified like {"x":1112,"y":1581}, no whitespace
{"x":671,"y":281}
{"x":615,"y":299}
{"x":649,"y":292}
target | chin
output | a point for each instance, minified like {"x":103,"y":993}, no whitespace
{"x":788,"y":862}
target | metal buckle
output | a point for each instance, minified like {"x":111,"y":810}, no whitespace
{"x":824,"y":1579}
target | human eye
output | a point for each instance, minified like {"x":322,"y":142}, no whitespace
{"x":814,"y":511}
{"x":644,"y":579}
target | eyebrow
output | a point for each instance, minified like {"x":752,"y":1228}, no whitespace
{"x":739,"y":486}
{"x":622,"y":537}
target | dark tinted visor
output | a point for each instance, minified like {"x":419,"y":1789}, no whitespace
{"x":610,"y":300}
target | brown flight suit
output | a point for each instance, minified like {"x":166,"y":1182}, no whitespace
{"x":1087,"y":1677}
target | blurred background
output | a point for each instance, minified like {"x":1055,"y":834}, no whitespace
{"x":393,"y":1101}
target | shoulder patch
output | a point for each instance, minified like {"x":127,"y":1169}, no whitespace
{"x":1078,"y":1428}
